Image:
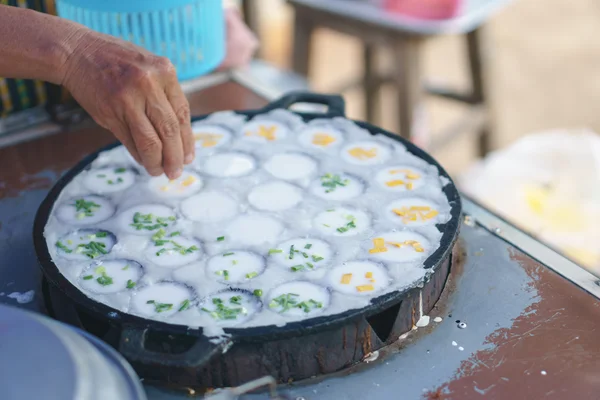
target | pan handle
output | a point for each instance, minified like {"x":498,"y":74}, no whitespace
{"x":133,"y":346}
{"x":335,"y":103}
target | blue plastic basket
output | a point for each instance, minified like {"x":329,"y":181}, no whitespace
{"x":191,"y":33}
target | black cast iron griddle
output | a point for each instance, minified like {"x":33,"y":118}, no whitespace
{"x":178,"y":355}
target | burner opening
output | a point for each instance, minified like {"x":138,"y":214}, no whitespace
{"x":165,"y":343}
{"x":383,"y":322}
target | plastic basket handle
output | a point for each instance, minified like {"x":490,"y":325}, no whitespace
{"x":133,"y":346}
{"x":335,"y":103}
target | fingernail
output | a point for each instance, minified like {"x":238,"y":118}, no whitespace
{"x":189,"y":158}
{"x":176,"y":174}
{"x":155,"y":172}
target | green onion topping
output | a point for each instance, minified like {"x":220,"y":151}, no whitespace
{"x":184,"y":305}
{"x":332,"y":182}
{"x":224,"y":312}
{"x":160,"y":307}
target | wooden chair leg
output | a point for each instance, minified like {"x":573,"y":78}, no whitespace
{"x":407,"y":76}
{"x":303,"y":30}
{"x":476,"y":50}
{"x":370,"y":83}
{"x":250,"y":12}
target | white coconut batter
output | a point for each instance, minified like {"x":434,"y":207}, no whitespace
{"x":109,"y":180}
{"x":111,"y":276}
{"x":301,"y":255}
{"x":85,"y":210}
{"x":275,"y":196}
{"x":228,"y":165}
{"x":291,"y":166}
{"x":235,"y":266}
{"x":341,"y":221}
{"x":209,"y":206}
{"x":337,"y":187}
{"x":265,"y":228}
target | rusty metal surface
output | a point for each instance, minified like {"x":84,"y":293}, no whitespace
{"x":530,"y":333}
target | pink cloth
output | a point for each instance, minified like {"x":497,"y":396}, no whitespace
{"x":424,"y":9}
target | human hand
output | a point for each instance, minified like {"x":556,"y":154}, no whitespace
{"x":135,"y":95}
{"x":241,"y":42}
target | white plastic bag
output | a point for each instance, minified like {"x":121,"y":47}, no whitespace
{"x":549,"y":185}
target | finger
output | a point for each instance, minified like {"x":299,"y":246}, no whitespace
{"x":164,"y":120}
{"x":181,"y":107}
{"x":147,"y":143}
{"x":121,"y":132}
{"x":129,"y":144}
{"x":127,"y":141}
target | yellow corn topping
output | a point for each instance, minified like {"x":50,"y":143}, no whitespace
{"x":415,"y":213}
{"x":396,"y":244}
{"x":431,"y":214}
{"x":378,"y":246}
{"x":346,"y":278}
{"x":365,"y":288}
{"x":409,"y":186}
{"x":394,"y":183}
{"x":188,"y":181}
{"x":411,"y":242}
{"x":369,"y":275}
{"x":208,"y":139}
{"x":362,"y":154}
{"x":322,"y":139}
{"x":407,"y":173}
{"x":419,"y":249}
{"x":164,"y":188}
{"x":267,"y":132}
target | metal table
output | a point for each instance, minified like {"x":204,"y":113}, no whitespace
{"x":531,"y":314}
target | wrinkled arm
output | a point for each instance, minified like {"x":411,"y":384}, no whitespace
{"x":39,"y":53}
{"x":126,"y":89}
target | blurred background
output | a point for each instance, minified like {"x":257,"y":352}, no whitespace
{"x":544,"y":69}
